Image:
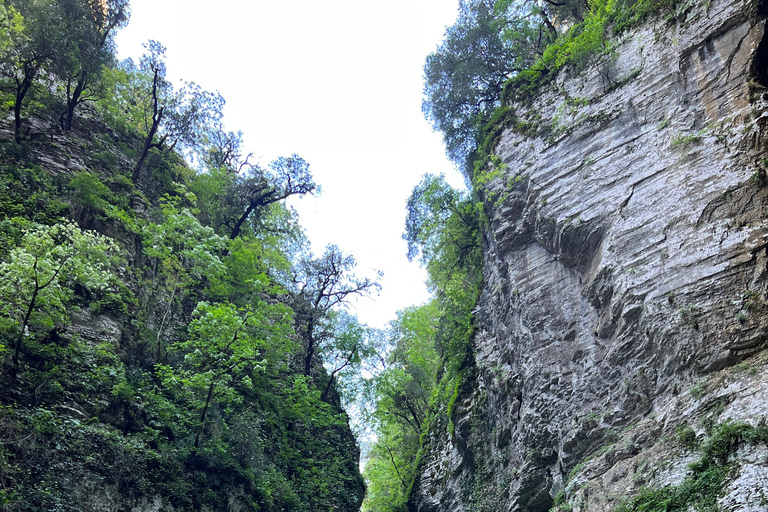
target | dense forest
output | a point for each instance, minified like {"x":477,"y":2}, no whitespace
{"x":166,"y":330}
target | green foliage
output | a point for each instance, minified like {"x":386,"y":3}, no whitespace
{"x":37,"y":280}
{"x":181,"y":248}
{"x":443,"y":228}
{"x":93,"y":200}
{"x":707,"y":478}
{"x":192,"y":388}
{"x":349,"y":350}
{"x":583,"y":43}
{"x":119,"y":86}
{"x":86,"y":50}
{"x":30,"y":193}
{"x":501,"y":52}
{"x":224,"y":345}
{"x":687,"y":140}
{"x":255,"y":191}
{"x":32,"y":32}
{"x":431,"y":350}
{"x":89,"y":193}
{"x":631,"y":14}
{"x":464,"y":77}
{"x":687,"y":437}
{"x":402,"y":393}
{"x":502,"y":119}
{"x":319,"y":286}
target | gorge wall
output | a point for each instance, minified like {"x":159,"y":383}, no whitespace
{"x":624,"y":297}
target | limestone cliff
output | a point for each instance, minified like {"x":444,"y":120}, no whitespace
{"x":624,"y":296}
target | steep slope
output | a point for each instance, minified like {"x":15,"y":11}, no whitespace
{"x":88,"y":419}
{"x":622,"y":317}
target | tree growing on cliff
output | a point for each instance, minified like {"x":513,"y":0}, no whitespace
{"x":37,"y":280}
{"x":464,"y":77}
{"x":254,"y":189}
{"x":350,"y":346}
{"x":88,"y":47}
{"x":182,"y":253}
{"x":443,"y":231}
{"x":225,"y":345}
{"x":166,"y":118}
{"x":320,"y":285}
{"x":34,"y":34}
{"x":235,"y":193}
{"x":401,"y":395}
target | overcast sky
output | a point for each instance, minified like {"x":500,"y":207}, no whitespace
{"x":337,"y":82}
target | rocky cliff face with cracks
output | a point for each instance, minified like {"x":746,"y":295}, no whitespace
{"x":623,"y":315}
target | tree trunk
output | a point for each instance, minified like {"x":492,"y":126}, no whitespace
{"x":327,"y":389}
{"x":157,"y":117}
{"x":74,"y":100}
{"x":310,"y":347}
{"x":145,"y":149}
{"x":204,"y":413}
{"x":24,"y":324}
{"x":240,"y":221}
{"x":22,"y":88}
{"x":392,"y":458}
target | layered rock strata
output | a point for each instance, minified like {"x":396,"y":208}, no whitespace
{"x":624,"y":277}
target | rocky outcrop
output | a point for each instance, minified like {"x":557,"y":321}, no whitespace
{"x":625,"y":277}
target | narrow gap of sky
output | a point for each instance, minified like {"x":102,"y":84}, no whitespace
{"x":337,"y":82}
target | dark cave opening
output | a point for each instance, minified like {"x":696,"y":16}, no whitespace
{"x":762,"y":8}
{"x":759,"y":69}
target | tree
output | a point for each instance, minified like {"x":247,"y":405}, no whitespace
{"x":225,"y":345}
{"x":233,"y":190}
{"x":166,"y":118}
{"x":401,"y":398}
{"x":224,"y":150}
{"x":35,"y":33}
{"x":255,"y":189}
{"x":88,"y":47}
{"x":36,"y":283}
{"x":320,"y":285}
{"x":343,"y":356}
{"x":465,"y":76}
{"x":182,"y":253}
{"x":443,"y":230}
{"x":441,"y":227}
{"x":404,"y":387}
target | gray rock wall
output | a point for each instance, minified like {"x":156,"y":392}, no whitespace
{"x":625,"y":277}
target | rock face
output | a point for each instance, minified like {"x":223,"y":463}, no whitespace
{"x":625,"y":278}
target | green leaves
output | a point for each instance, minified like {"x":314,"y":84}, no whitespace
{"x":442,"y":227}
{"x":225,"y":346}
{"x":402,"y":396}
{"x":37,"y":280}
{"x":11,"y":27}
{"x":464,"y":77}
{"x":429,"y":346}
{"x":187,"y":250}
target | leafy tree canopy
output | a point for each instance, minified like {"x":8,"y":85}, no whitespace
{"x":465,"y":76}
{"x":37,"y":281}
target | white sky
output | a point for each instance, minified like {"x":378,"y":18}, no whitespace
{"x":338,"y":82}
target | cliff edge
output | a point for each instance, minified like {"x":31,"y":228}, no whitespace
{"x":621,"y":328}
